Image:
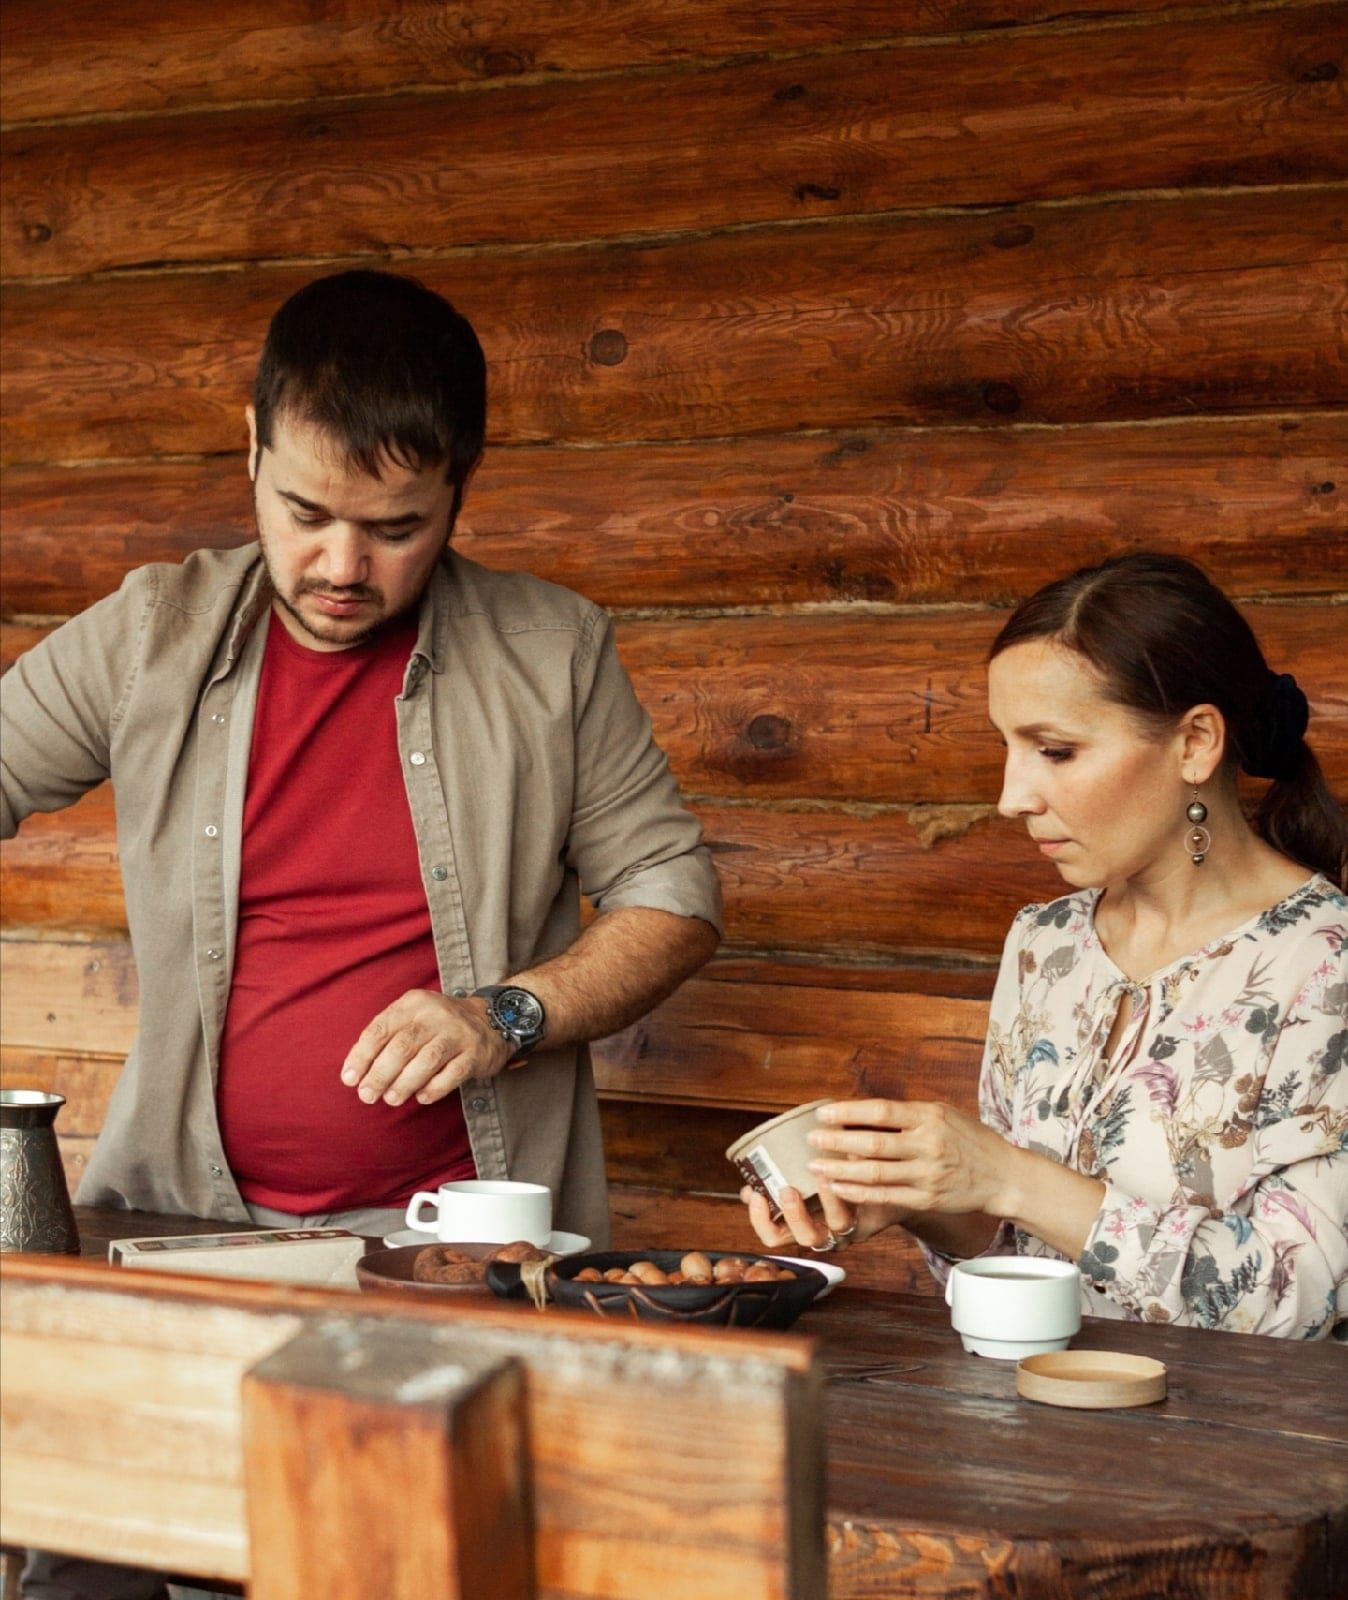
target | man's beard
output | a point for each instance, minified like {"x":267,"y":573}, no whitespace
{"x":337,"y":634}
{"x":311,"y":626}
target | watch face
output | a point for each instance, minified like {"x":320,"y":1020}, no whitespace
{"x":519,"y":1011}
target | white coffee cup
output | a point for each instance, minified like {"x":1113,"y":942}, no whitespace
{"x":484,"y":1211}
{"x":1007,"y":1307}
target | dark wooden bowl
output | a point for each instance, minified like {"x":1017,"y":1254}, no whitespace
{"x":392,"y":1269}
{"x":740,"y":1305}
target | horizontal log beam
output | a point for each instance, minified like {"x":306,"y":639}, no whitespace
{"x":89,"y":57}
{"x":85,"y":1080}
{"x":900,"y":517}
{"x":838,"y":135}
{"x":735,"y":1047}
{"x":67,"y":1019}
{"x":1136,"y":308}
{"x":676,"y":1088}
{"x":876,"y":708}
{"x":793,"y":880}
{"x":873,"y":708}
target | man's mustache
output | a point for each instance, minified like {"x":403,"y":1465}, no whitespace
{"x":355,"y":591}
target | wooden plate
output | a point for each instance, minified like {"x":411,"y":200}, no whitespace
{"x":1091,"y":1380}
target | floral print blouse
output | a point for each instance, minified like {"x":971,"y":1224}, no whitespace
{"x":1220,"y":1126}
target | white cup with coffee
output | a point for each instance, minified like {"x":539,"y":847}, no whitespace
{"x":1007,"y":1307}
{"x":484,"y":1211}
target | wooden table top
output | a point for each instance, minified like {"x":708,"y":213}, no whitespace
{"x":939,"y":1474}
{"x":943,"y":1482}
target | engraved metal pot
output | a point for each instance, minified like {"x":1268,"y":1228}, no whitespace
{"x":35,"y":1212}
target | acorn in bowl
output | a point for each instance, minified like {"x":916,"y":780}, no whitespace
{"x":705,"y":1287}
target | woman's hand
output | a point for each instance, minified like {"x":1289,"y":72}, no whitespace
{"x":801,"y":1226}
{"x":914,"y":1157}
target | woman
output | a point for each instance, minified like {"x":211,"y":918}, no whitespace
{"x":1164,"y":1092}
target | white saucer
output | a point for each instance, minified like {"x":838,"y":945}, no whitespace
{"x":835,"y":1275}
{"x":559,"y":1244}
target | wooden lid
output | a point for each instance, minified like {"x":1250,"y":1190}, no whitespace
{"x":1091,"y":1380}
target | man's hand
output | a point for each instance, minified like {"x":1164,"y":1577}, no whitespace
{"x":424,"y":1044}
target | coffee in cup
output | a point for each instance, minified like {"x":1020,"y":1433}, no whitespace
{"x":484,"y":1211}
{"x":1007,"y":1307}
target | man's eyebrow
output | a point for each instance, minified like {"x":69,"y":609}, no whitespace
{"x":406,"y":520}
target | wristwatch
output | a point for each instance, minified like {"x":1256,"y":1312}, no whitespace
{"x":517,"y":1016}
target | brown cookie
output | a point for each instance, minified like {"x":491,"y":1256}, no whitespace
{"x":520,"y":1250}
{"x":437,"y":1263}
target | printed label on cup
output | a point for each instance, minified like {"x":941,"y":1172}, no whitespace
{"x":776,"y":1155}
{"x":761,"y":1172}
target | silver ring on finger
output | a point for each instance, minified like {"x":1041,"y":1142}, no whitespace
{"x":831,"y":1243}
{"x":844,"y":1237}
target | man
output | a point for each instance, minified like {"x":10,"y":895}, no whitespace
{"x":360,"y":782}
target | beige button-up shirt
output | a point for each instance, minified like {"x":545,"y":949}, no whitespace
{"x":531,"y":775}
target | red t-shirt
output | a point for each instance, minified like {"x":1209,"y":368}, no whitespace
{"x":333,"y":926}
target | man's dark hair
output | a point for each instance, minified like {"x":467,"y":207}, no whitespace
{"x":384,"y":365}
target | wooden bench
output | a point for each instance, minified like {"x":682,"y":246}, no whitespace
{"x":305,"y":1444}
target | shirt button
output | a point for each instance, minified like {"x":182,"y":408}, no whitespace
{"x":217,"y":1172}
{"x":210,"y":830}
{"x":214,"y":955}
{"x":477,"y":1103}
{"x":439,"y":873}
{"x":418,"y":758}
{"x":218,"y":717}
{"x":460,"y":994}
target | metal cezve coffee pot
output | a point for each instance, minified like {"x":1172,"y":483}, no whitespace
{"x":35,"y":1212}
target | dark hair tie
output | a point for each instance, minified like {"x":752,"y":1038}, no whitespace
{"x":1274,"y":741}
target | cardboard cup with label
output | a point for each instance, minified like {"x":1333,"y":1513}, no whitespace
{"x":484,"y":1211}
{"x":1007,"y":1307}
{"x":777,"y":1154}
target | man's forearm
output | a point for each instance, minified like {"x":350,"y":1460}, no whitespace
{"x":625,"y":962}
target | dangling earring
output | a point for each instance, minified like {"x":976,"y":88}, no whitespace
{"x":1198,"y":839}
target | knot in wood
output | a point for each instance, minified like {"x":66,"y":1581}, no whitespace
{"x":503,"y":63}
{"x":36,"y":232}
{"x":1325,"y":72}
{"x":847,"y":585}
{"x":1004,"y":398}
{"x":1012,"y":238}
{"x":817,"y":191}
{"x":608,"y":347}
{"x":792,"y":91}
{"x":1327,"y":487}
{"x":772,"y":735}
{"x":845,"y":448}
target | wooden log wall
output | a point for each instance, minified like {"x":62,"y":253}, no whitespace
{"x":817,"y":336}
